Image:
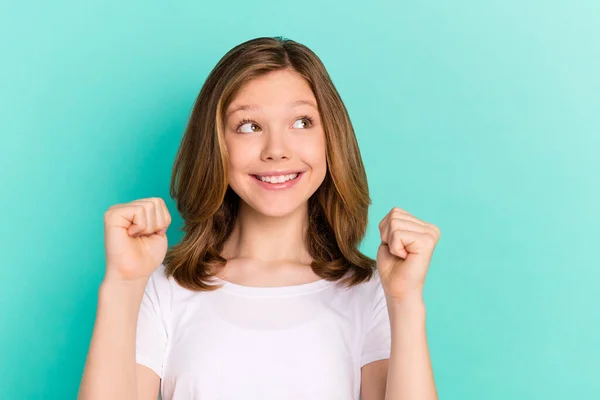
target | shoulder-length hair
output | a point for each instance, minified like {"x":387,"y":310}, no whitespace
{"x":338,"y":210}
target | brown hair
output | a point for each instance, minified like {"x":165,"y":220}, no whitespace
{"x":338,"y":210}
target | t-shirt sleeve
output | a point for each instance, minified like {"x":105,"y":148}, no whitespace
{"x":151,"y":332}
{"x":377,"y":344}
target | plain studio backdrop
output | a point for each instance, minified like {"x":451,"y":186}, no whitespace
{"x":482,"y":117}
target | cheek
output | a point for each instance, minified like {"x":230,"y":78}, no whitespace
{"x":237,"y":161}
{"x":313,"y":153}
{"x":240,"y":156}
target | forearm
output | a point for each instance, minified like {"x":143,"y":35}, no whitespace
{"x":109,"y":371}
{"x":410,"y":374}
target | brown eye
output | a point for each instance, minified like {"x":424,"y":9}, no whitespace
{"x":307,"y":122}
{"x":252,"y":126}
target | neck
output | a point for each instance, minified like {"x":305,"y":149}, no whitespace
{"x":269,"y":239}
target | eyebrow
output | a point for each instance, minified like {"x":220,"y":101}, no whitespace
{"x":254,"y":107}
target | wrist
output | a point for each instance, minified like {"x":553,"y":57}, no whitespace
{"x":407,"y":305}
{"x":113,"y":287}
{"x":114,"y":277}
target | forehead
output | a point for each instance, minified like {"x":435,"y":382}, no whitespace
{"x":274,"y":90}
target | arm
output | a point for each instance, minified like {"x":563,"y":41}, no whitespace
{"x":403,"y":259}
{"x":408,"y":374}
{"x":110,"y":371}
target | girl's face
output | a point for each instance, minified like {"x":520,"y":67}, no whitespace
{"x":276,"y":143}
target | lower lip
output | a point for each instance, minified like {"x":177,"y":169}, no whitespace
{"x":278,"y":186}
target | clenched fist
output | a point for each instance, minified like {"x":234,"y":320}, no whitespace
{"x":135,"y":238}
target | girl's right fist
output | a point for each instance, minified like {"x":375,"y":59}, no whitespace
{"x":135,"y":238}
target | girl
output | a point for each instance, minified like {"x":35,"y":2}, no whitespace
{"x":267,"y":296}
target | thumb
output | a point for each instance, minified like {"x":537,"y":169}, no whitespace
{"x":161,"y":232}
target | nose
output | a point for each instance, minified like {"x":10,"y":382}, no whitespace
{"x":275,"y":146}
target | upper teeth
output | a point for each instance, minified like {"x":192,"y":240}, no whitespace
{"x":277,"y":179}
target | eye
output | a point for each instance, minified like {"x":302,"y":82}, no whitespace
{"x":307,"y":122}
{"x":253,"y":127}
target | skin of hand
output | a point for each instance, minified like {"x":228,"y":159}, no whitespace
{"x":404,"y":255}
{"x":135,"y":238}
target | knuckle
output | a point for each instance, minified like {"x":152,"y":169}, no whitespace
{"x":111,"y":209}
{"x":395,"y":223}
{"x":431,"y":239}
{"x":435,"y":229}
{"x":150,"y":203}
{"x":398,"y":210}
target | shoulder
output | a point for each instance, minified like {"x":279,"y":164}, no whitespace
{"x":369,"y":289}
{"x":159,"y":277}
{"x":166,"y":288}
{"x":159,"y":285}
{"x":366,"y":296}
{"x":373,"y":285}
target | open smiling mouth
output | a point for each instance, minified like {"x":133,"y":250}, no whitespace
{"x":278,"y":180}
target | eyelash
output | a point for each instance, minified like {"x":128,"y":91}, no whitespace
{"x":245,"y":121}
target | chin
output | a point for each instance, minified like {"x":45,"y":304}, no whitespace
{"x":276,"y":211}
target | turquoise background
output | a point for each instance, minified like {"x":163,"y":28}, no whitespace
{"x":482,"y":117}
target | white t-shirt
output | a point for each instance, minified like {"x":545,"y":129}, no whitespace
{"x":295,"y":342}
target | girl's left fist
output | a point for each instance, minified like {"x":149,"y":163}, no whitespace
{"x":405,"y":252}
